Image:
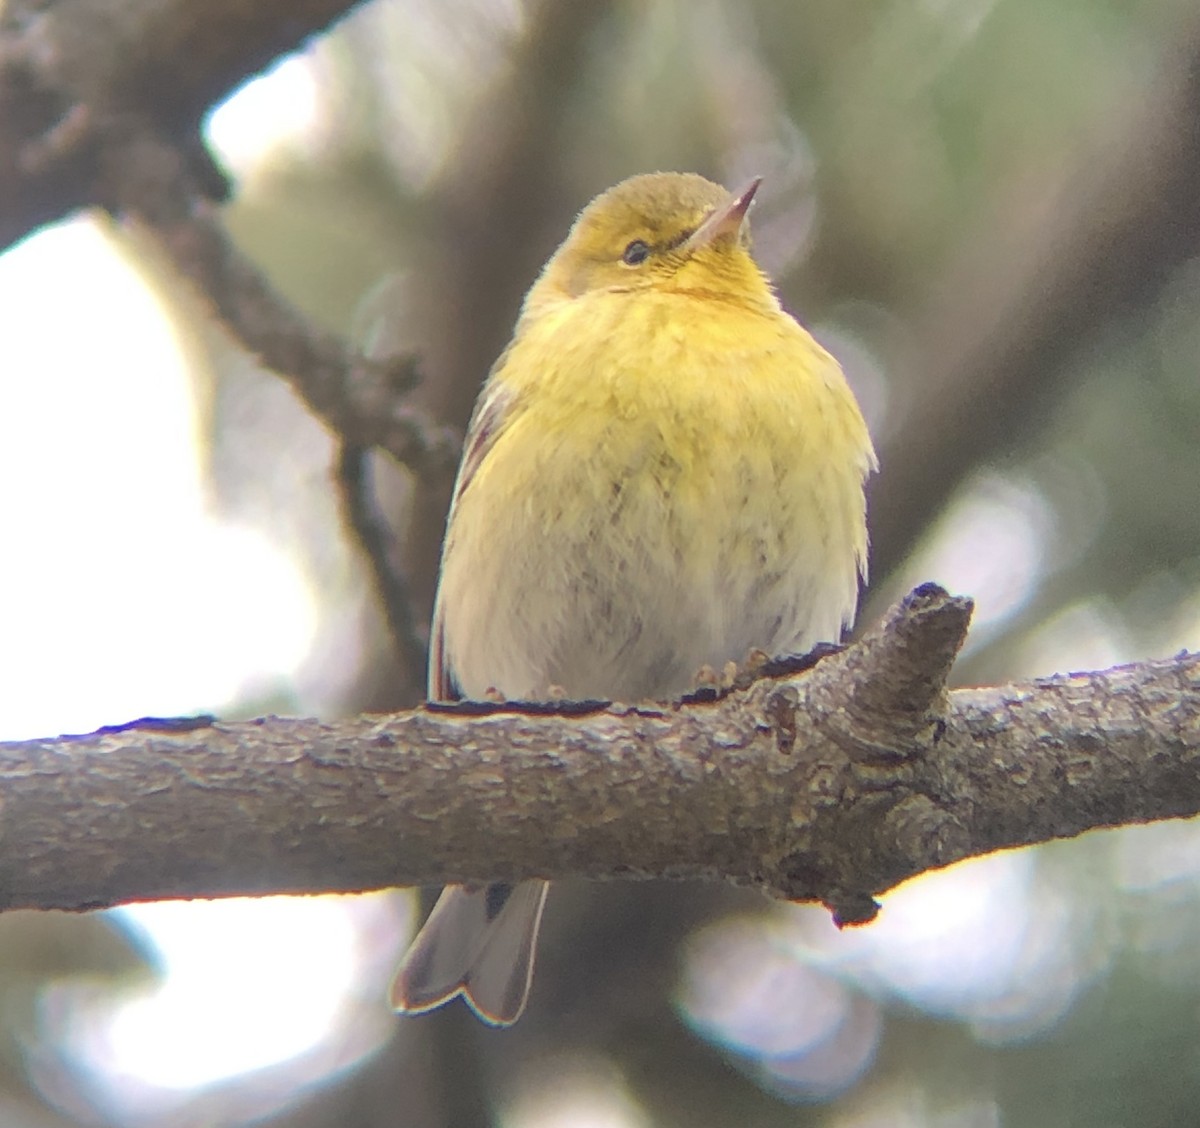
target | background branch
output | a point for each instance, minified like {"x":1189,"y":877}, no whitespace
{"x":74,"y":72}
{"x":363,"y":400}
{"x":831,"y":784}
{"x":360,"y":511}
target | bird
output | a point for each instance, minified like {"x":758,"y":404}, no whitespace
{"x":663,"y":473}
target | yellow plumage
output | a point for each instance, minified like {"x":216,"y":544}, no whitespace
{"x":663,"y":472}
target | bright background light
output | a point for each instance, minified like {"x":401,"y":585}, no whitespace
{"x":123,"y":594}
{"x":245,"y":963}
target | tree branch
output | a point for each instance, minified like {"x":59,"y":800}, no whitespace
{"x":73,"y":72}
{"x":100,"y":102}
{"x":362,"y":400}
{"x":370,"y":530}
{"x":829,"y":783}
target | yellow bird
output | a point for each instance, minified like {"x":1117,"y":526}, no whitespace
{"x":663,"y":472}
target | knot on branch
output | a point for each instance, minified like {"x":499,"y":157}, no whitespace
{"x":882,"y":703}
{"x":892,"y":683}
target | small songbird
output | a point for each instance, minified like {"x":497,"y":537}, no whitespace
{"x":663,"y":472}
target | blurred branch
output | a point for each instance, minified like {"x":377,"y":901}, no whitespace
{"x":1070,"y":254}
{"x":831,"y":783}
{"x":364,"y":401}
{"x":77,"y":74}
{"x":100,"y":104}
{"x":369,"y":528}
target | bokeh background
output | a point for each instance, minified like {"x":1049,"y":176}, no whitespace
{"x":988,"y":209}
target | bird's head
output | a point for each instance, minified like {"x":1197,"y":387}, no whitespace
{"x":661,"y":231}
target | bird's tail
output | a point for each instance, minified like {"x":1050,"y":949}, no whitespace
{"x":478,"y":943}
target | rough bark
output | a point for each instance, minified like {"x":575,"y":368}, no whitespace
{"x":829,"y":783}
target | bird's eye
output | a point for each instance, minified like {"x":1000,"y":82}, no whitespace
{"x":635,"y":254}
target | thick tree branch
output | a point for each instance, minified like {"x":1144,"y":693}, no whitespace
{"x":831,"y":783}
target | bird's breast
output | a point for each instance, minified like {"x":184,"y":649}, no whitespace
{"x":671,"y":498}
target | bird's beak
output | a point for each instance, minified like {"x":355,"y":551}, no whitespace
{"x":726,"y":220}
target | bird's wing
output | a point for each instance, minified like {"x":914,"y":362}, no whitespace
{"x":487,"y":422}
